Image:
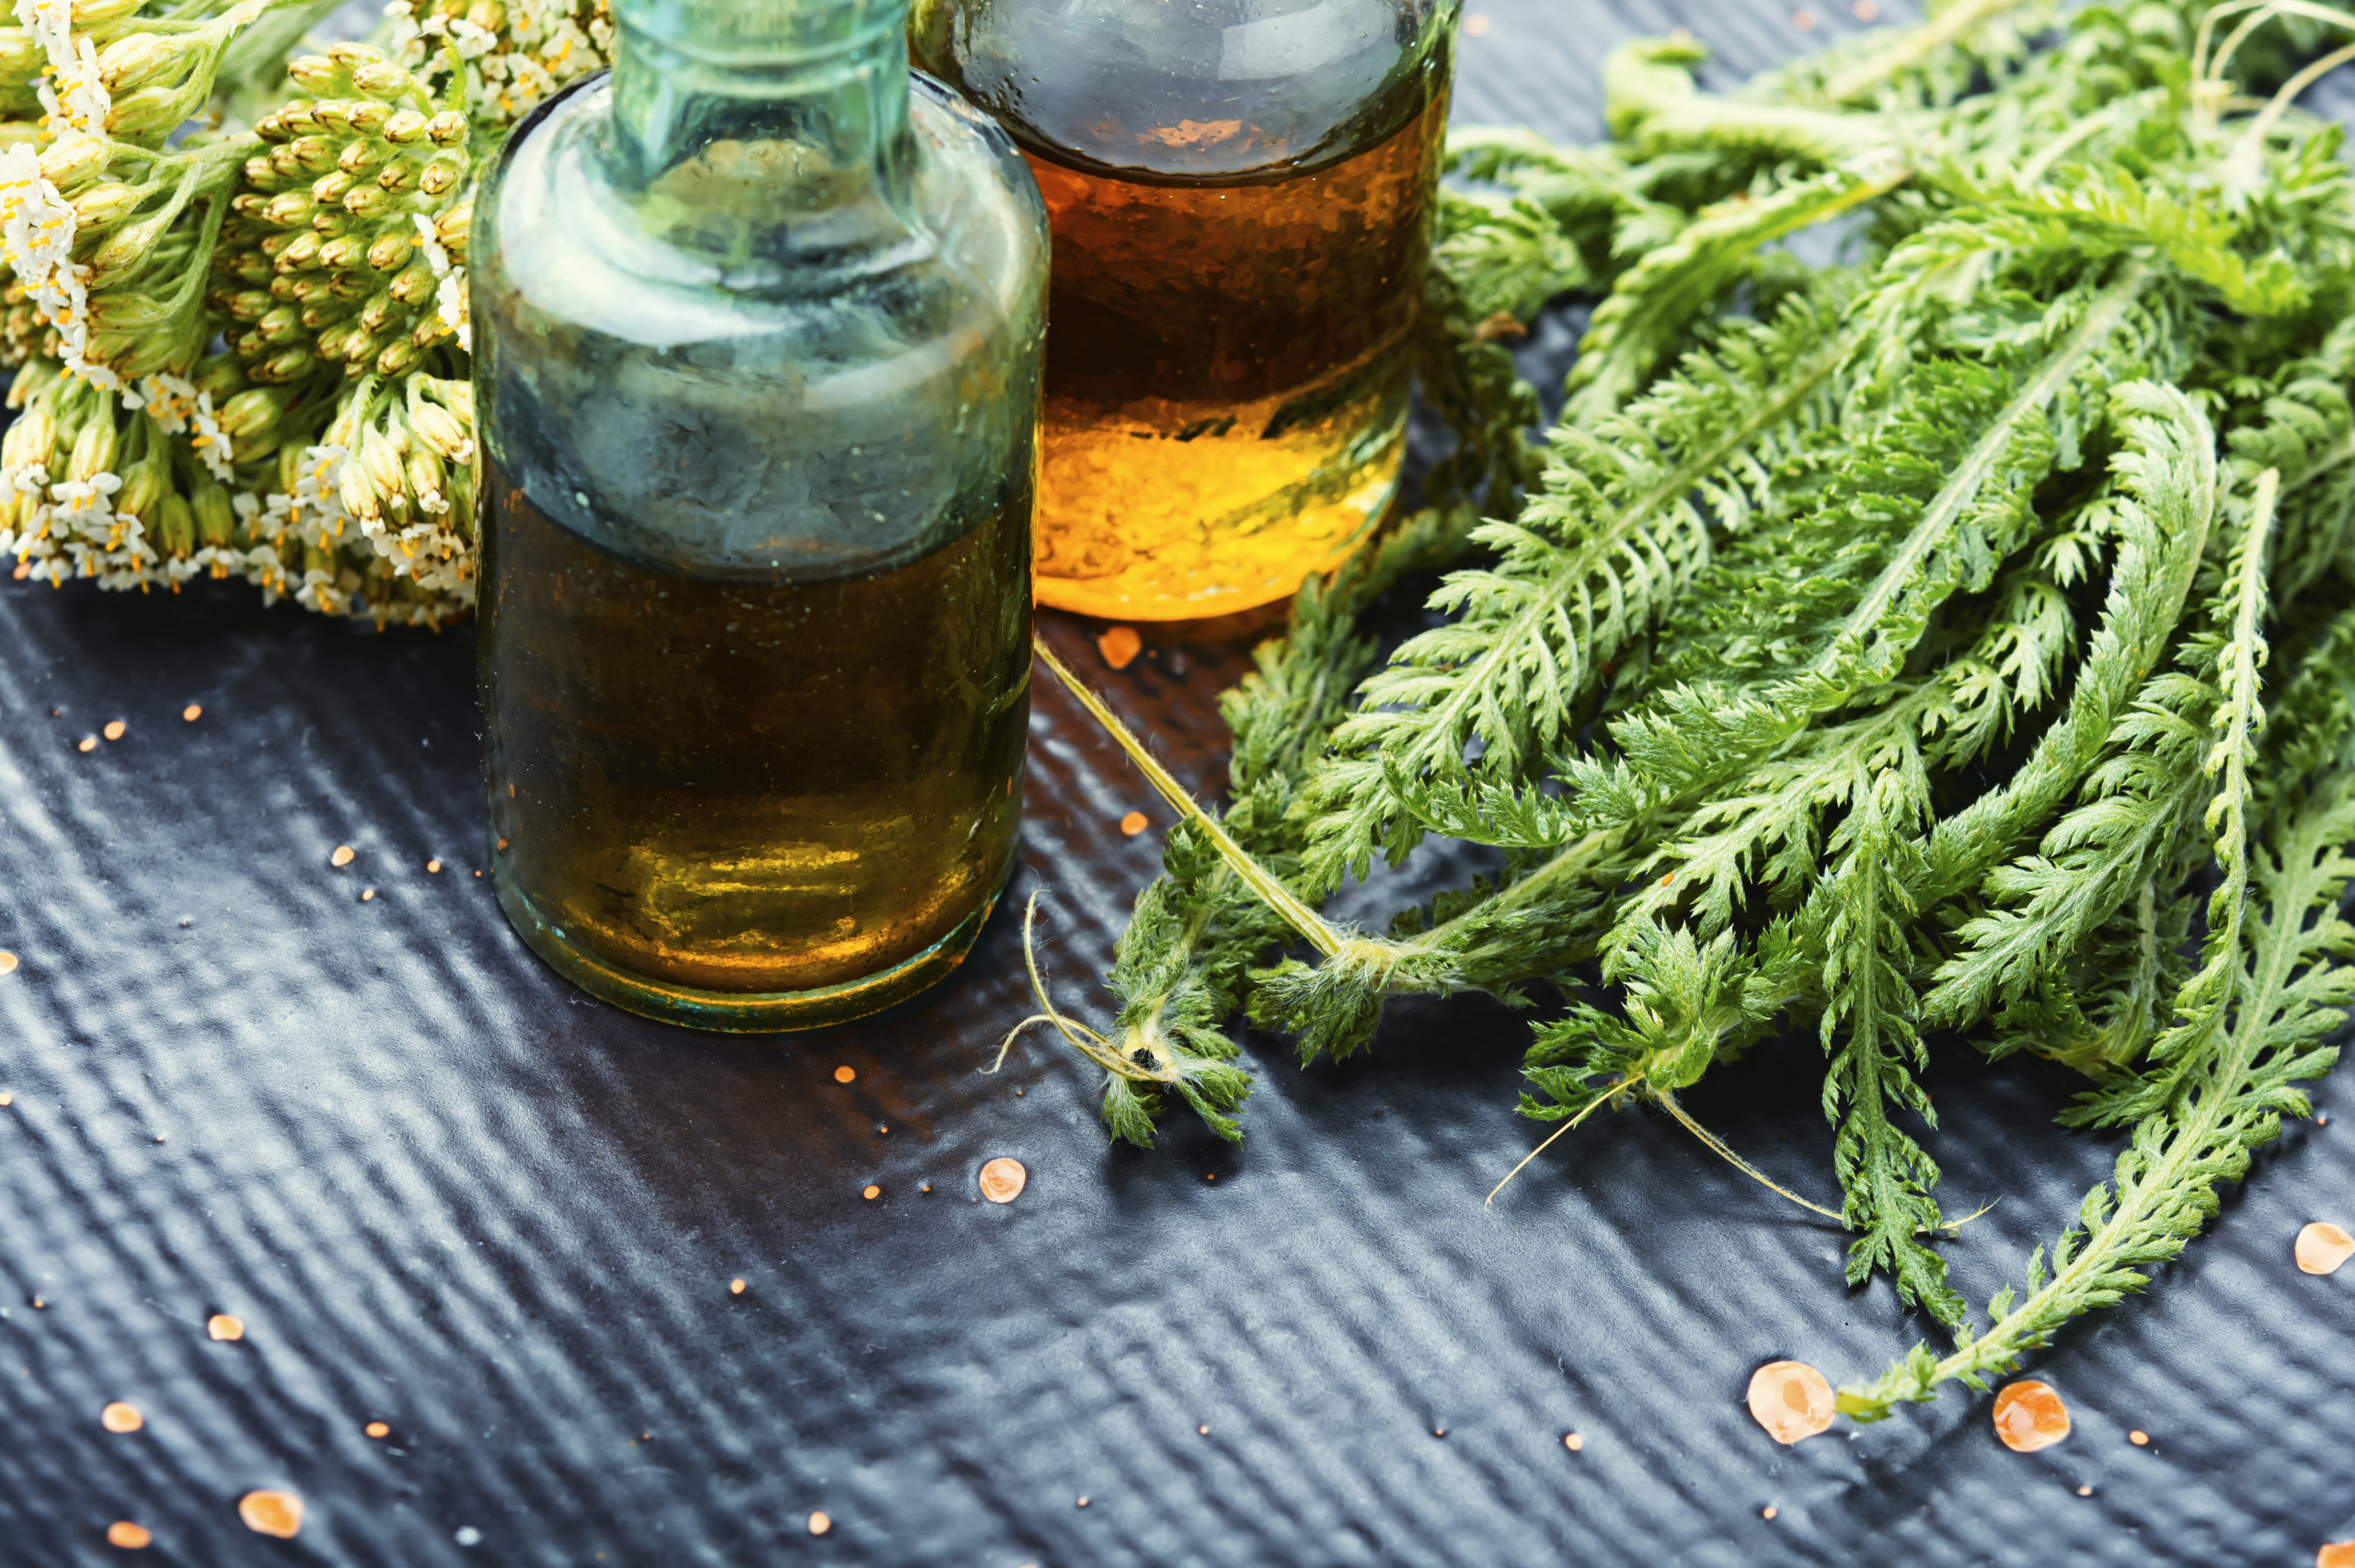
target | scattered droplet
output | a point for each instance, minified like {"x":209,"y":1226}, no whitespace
{"x":819,"y":1523}
{"x":2085,"y":1492}
{"x":2029,"y":1415}
{"x":1791,"y":1400}
{"x":503,"y":844}
{"x":220,"y":1325}
{"x":126,"y":1534}
{"x":366,"y":894}
{"x":1201,"y":1431}
{"x":434,"y":867}
{"x":1083,"y":1502}
{"x":466,"y":1535}
{"x":2323,"y":1247}
{"x":1803,"y":20}
{"x":272,"y":1512}
{"x":881,"y":1128}
{"x":87,"y":743}
{"x":2335,"y":1554}
{"x":114,"y":729}
{"x":1573,"y":1442}
{"x":846,"y":1074}
{"x":1476,"y":26}
{"x":192,"y":712}
{"x":343,"y":856}
{"x":122,"y":1417}
{"x":1135,"y":822}
{"x":7,"y":963}
{"x":7,"y":1098}
{"x":1438,"y":1431}
{"x":927,"y":1186}
{"x":1003,"y":1180}
{"x":735,"y":1288}
{"x":1768,"y":1512}
{"x":2140,"y":1440}
{"x":1866,"y":10}
{"x":1119,"y":647}
{"x":377,"y":1429}
{"x":872,"y":1193}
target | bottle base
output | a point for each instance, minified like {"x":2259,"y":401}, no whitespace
{"x":743,"y":1013}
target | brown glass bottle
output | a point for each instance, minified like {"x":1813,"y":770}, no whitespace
{"x":752,"y":787}
{"x":1238,"y":250}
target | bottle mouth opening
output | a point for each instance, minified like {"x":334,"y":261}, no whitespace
{"x":739,"y":34}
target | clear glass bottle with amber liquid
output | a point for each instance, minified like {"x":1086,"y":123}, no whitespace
{"x":1241,"y":195}
{"x":757,"y":334}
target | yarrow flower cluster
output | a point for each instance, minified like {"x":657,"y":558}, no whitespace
{"x":515,"y":53}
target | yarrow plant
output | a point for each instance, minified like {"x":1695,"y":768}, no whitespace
{"x":241,"y":349}
{"x":1943,"y":644}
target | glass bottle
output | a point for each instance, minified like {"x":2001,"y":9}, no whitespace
{"x":1240,"y":194}
{"x":757,"y":336}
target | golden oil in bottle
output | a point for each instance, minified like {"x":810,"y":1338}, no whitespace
{"x":1240,"y":197}
{"x":753,"y":786}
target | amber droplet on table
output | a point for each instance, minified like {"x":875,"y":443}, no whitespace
{"x":115,"y":728}
{"x":220,"y":1325}
{"x":819,"y":1524}
{"x":87,"y":743}
{"x":846,"y":1074}
{"x":272,"y":1512}
{"x":871,"y":1194}
{"x":342,"y":856}
{"x":1003,"y":1180}
{"x":735,"y":1288}
{"x":1573,"y":1442}
{"x":2029,"y":1415}
{"x":2335,"y":1554}
{"x":7,"y":963}
{"x":122,"y":1417}
{"x":2323,"y":1247}
{"x":126,"y":1534}
{"x":1791,"y":1400}
{"x":1119,"y":647}
{"x":377,"y":1429}
{"x":192,"y":712}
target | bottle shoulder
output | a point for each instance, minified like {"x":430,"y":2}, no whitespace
{"x":706,"y":255}
{"x":1211,"y":90}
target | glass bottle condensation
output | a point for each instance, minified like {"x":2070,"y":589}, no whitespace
{"x":1241,"y":193}
{"x":757,"y":322}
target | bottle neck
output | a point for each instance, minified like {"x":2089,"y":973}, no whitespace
{"x":789,"y":114}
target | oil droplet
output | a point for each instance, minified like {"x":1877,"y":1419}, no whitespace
{"x":126,"y":1534}
{"x":343,"y":856}
{"x":927,"y":1186}
{"x":192,"y":712}
{"x":819,"y":1524}
{"x":7,"y":1098}
{"x":115,"y":728}
{"x":434,"y":867}
{"x":377,"y":1429}
{"x":1083,"y":1502}
{"x":1476,"y":26}
{"x":1201,"y":1431}
{"x":735,"y":1288}
{"x":272,"y":1512}
{"x":2338,"y":1554}
{"x":1003,"y":1180}
{"x":846,"y":1074}
{"x":881,"y":1128}
{"x":87,"y":743}
{"x":122,"y":1417}
{"x":7,"y":963}
{"x":1573,"y":1442}
{"x":1135,"y":822}
{"x":1768,"y":1512}
{"x":366,"y":894}
{"x":2029,"y":1415}
{"x":2140,"y":1440}
{"x":2085,"y":1492}
{"x":871,"y":1194}
{"x":2323,"y":1247}
{"x":1866,"y":10}
{"x":1791,"y":1400}
{"x":220,"y":1325}
{"x":1803,"y":20}
{"x":1121,"y":647}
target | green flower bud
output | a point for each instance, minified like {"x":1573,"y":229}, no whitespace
{"x":338,"y":342}
{"x":368,"y":202}
{"x":332,"y":116}
{"x":361,"y":157}
{"x":103,"y":206}
{"x":299,"y":253}
{"x":280,"y":325}
{"x":424,"y":473}
{"x":319,"y":315}
{"x":20,"y":58}
{"x":294,"y":460}
{"x":249,"y":306}
{"x":263,"y":175}
{"x":383,"y":82}
{"x":145,"y":483}
{"x":353,"y":54}
{"x":378,"y":311}
{"x":251,"y":416}
{"x":415,"y":285}
{"x":429,"y":330}
{"x":329,"y":221}
{"x":272,"y":243}
{"x":367,"y":119}
{"x":343,"y":253}
{"x":75,"y":158}
{"x":216,"y":518}
{"x":94,"y":447}
{"x":129,"y":246}
{"x":329,"y":189}
{"x":399,"y":359}
{"x":354,"y":285}
{"x":404,"y":127}
{"x":452,"y":228}
{"x":86,"y":12}
{"x":382,"y":458}
{"x":288,"y":363}
{"x":441,"y":177}
{"x":488,"y":14}
{"x":399,"y":174}
{"x":447,"y":129}
{"x":175,"y":529}
{"x":220,"y":375}
{"x":151,"y":109}
{"x":358,"y":498}
{"x":282,"y":287}
{"x":142,"y":58}
{"x":391,"y":250}
{"x":28,"y":440}
{"x":289,"y":208}
{"x":316,"y":74}
{"x":460,"y":396}
{"x":439,"y":429}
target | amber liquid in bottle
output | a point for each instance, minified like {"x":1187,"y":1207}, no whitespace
{"x":741,"y":786}
{"x":1227,"y":368}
